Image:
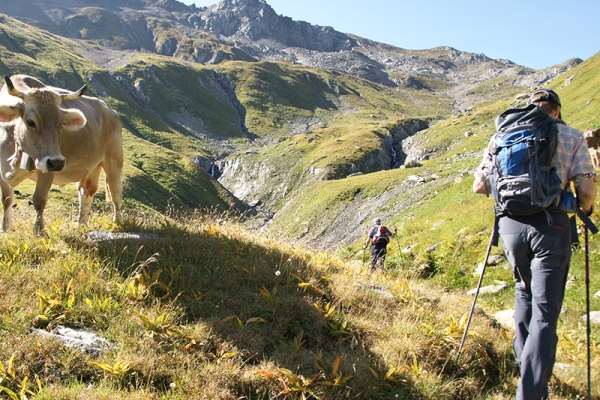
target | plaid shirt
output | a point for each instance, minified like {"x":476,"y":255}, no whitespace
{"x":571,"y":159}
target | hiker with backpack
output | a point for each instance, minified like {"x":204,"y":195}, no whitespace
{"x":379,"y":237}
{"x":528,"y":167}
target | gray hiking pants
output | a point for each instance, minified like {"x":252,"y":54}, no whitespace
{"x":378,"y":253}
{"x":539,"y":255}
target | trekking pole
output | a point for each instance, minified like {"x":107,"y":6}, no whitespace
{"x":487,"y":255}
{"x":587,"y":301}
{"x":364,"y":251}
{"x":588,"y":226}
{"x":399,"y":255}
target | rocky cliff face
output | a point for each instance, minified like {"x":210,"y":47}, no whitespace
{"x":249,"y":176}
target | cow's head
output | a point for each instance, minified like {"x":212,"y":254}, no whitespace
{"x":39,"y":122}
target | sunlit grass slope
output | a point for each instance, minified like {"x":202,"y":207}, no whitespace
{"x":204,"y":309}
{"x":201,"y":308}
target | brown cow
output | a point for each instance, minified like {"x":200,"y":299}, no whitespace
{"x":592,"y":136}
{"x":54,"y":136}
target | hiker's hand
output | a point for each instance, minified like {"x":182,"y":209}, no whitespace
{"x":590,"y":211}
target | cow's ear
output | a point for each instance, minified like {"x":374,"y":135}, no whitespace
{"x":73,"y":119}
{"x":9,"y":113}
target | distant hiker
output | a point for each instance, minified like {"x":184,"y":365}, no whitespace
{"x":538,"y":251}
{"x":379,"y":237}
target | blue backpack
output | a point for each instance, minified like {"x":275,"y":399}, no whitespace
{"x":523,"y":180}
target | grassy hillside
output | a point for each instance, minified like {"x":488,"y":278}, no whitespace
{"x":453,"y":148}
{"x":207,"y":310}
{"x":191,"y":111}
{"x":201,"y":308}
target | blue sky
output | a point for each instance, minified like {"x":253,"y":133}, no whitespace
{"x":533,"y":33}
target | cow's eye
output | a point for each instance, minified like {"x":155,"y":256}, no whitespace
{"x":31,"y":124}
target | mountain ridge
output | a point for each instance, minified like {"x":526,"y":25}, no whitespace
{"x":251,"y":29}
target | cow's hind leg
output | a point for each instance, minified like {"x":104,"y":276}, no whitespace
{"x":86,"y":188}
{"x":8,"y":198}
{"x":114,"y":186}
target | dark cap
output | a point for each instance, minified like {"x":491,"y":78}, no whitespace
{"x":544,"y":95}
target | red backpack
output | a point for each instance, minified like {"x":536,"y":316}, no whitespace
{"x":382,"y":236}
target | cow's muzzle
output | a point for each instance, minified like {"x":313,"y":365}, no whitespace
{"x":51,"y":164}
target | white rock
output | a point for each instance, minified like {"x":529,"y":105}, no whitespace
{"x":107,"y":236}
{"x":562,"y":366}
{"x":407,"y":250}
{"x":594,"y":317}
{"x":498,"y":287}
{"x":506,"y":318}
{"x":496,"y":259}
{"x":376,"y":289}
{"x":88,"y":342}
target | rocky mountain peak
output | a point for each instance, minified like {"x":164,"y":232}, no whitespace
{"x":252,"y":21}
{"x":245,"y":17}
{"x":233,"y":4}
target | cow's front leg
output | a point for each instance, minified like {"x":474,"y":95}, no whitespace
{"x":40,"y":198}
{"x":7,"y":203}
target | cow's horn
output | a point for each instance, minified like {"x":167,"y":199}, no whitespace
{"x":74,"y":95}
{"x":11,"y":88}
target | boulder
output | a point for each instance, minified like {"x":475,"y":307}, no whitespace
{"x":498,"y":287}
{"x":506,"y":319}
